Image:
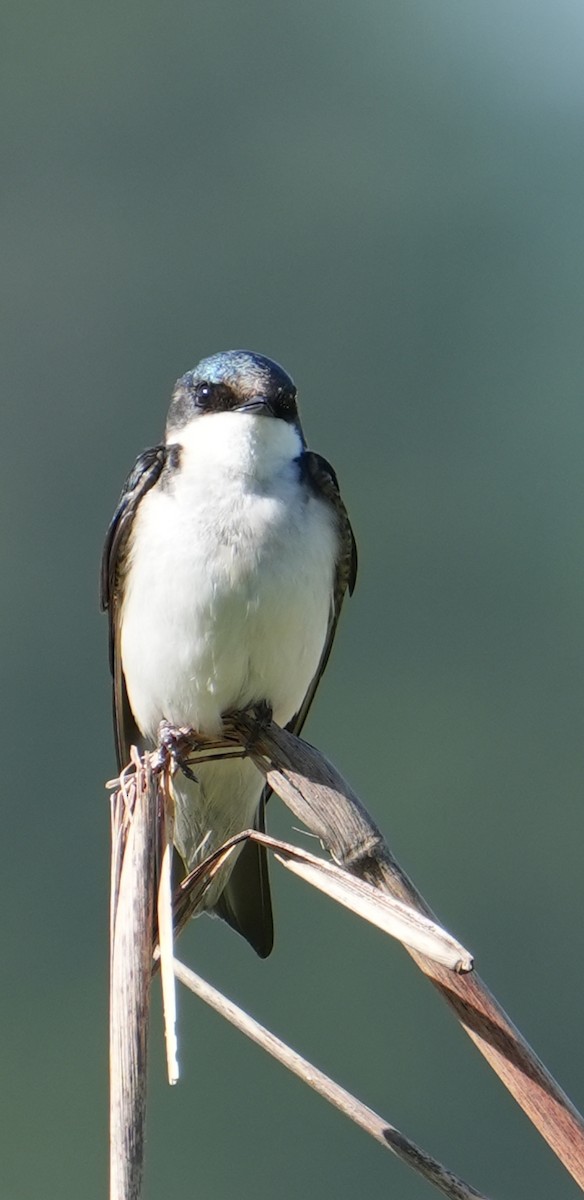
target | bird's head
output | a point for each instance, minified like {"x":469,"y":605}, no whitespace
{"x":233,"y":381}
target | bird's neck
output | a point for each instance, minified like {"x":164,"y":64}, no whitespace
{"x":234,"y":444}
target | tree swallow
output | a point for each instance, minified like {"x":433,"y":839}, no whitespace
{"x":224,"y":571}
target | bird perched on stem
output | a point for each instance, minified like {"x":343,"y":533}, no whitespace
{"x":224,"y":571}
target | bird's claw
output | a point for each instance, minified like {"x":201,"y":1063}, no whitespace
{"x":261,"y":715}
{"x":174,"y":746}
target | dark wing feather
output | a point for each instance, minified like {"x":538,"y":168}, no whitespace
{"x":321,"y":477}
{"x":144,"y":475}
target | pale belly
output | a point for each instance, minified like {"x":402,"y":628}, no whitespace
{"x":232,"y":608}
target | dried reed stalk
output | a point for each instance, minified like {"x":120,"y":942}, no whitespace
{"x":317,"y":795}
{"x":315,"y":792}
{"x":132,"y":899}
{"x":384,"y":1133}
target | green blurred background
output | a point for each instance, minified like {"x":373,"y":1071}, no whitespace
{"x":387,"y":197}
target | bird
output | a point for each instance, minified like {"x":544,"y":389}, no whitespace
{"x":224,"y":570}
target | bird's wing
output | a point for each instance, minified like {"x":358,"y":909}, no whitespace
{"x":145,"y":473}
{"x":322,"y":479}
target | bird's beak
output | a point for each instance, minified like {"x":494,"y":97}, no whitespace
{"x":257,"y":404}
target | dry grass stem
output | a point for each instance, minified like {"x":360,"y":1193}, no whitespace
{"x":384,"y":1133}
{"x":315,"y":792}
{"x":395,"y":918}
{"x":165,"y":927}
{"x":364,"y":876}
{"x":132,"y":891}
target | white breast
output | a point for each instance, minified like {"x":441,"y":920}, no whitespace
{"x":230,"y":583}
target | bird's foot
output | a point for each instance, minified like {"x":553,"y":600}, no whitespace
{"x":175,"y":743}
{"x":261,"y":715}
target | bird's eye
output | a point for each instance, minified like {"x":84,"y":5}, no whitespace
{"x":212,"y":397}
